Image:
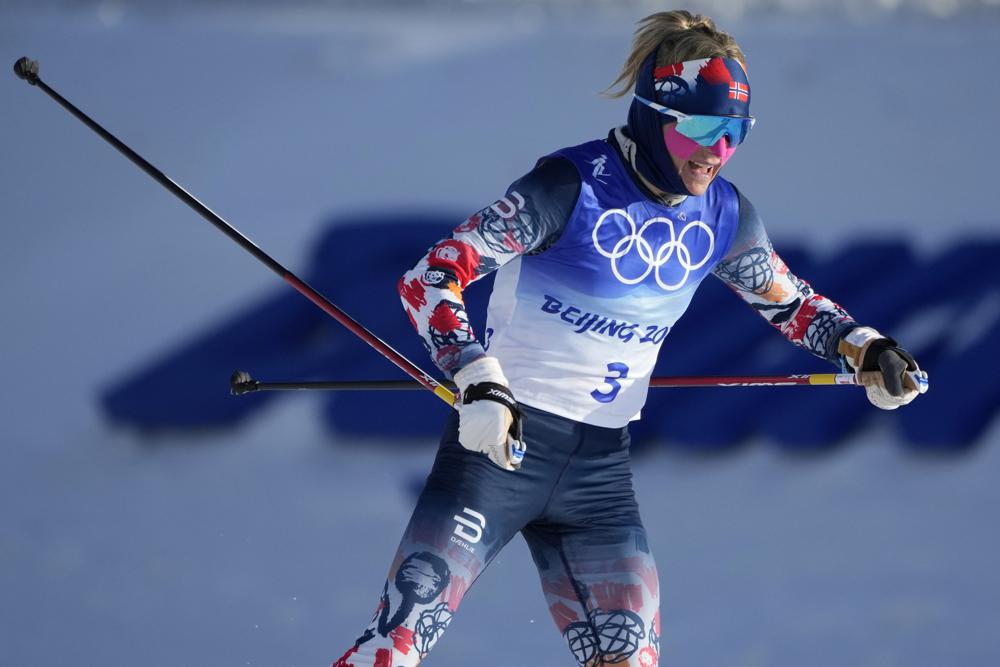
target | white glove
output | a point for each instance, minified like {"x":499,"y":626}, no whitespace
{"x":489,"y":420}
{"x":889,"y":374}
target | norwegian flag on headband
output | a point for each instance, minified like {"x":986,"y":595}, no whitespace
{"x":712,"y":86}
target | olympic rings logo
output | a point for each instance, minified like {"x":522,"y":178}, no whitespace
{"x":674,"y":246}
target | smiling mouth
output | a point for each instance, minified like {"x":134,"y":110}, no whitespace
{"x":702,"y":171}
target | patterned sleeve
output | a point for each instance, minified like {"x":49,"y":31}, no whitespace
{"x":758,"y":275}
{"x":528,"y":219}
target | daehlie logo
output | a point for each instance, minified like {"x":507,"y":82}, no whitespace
{"x":508,"y":207}
{"x":476,"y":525}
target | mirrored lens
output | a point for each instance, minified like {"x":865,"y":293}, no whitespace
{"x":707,"y":130}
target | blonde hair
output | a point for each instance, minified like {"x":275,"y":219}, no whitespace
{"x":678,"y":35}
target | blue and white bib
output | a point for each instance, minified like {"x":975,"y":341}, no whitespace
{"x":577,"y":328}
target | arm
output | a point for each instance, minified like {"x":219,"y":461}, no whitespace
{"x":756,"y":273}
{"x":528,"y":219}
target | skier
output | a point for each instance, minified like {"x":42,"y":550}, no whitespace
{"x":598,"y":251}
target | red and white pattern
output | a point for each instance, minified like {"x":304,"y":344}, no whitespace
{"x":761,"y":278}
{"x":432,"y":290}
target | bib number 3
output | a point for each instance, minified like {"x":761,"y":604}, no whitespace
{"x":616,"y":371}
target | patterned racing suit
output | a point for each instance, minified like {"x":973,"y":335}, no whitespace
{"x":594,"y":270}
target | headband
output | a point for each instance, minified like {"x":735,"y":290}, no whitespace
{"x":709,"y":86}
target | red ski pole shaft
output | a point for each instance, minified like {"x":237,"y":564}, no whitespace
{"x":28,"y":70}
{"x":242,"y":383}
{"x":753,"y":380}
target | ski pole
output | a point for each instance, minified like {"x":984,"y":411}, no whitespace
{"x":241,"y":382}
{"x":27,"y":70}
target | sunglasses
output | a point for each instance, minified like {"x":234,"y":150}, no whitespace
{"x":706,"y":130}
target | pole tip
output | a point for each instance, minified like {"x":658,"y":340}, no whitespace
{"x":27,"y":69}
{"x":241,"y":383}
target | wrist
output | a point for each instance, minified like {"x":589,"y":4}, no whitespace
{"x":854,"y":345}
{"x":482,"y":370}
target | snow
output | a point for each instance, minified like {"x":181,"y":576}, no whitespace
{"x":268,"y":545}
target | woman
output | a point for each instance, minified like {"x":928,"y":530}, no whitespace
{"x":598,"y":251}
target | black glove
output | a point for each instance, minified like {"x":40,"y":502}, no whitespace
{"x":889,"y":373}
